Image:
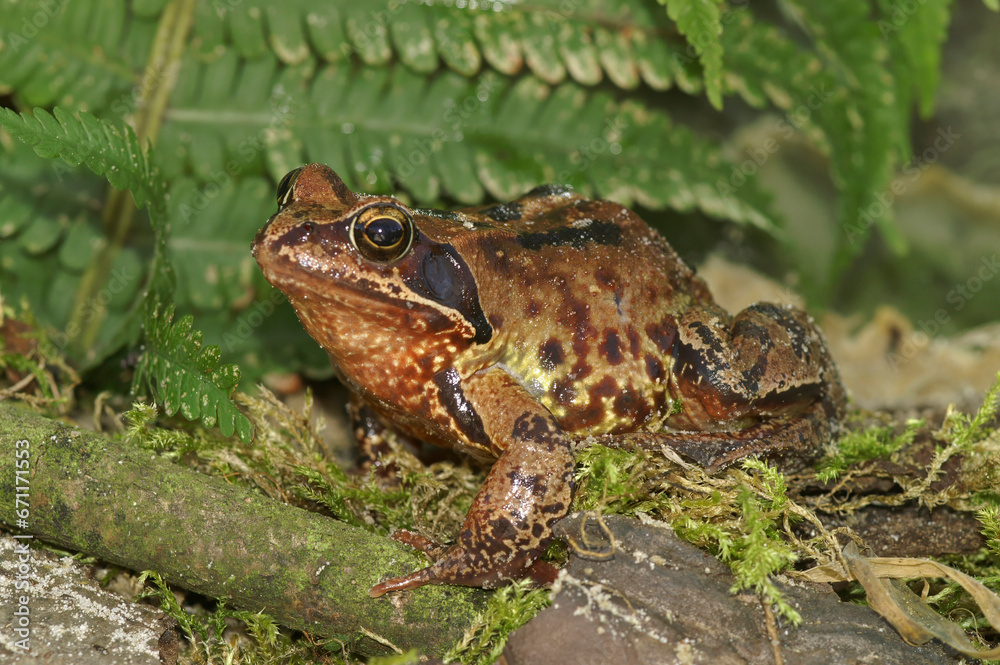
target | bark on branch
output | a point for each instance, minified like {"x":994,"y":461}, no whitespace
{"x":129,"y":507}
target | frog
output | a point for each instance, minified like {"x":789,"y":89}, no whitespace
{"x":513,"y":332}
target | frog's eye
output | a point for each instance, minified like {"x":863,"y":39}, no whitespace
{"x":383,"y":232}
{"x":286,"y":187}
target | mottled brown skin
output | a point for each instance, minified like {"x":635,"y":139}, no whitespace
{"x":507,"y":332}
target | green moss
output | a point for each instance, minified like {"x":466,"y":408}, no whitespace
{"x":865,"y":444}
{"x":224,"y":635}
{"x":989,"y":516}
{"x":509,"y":608}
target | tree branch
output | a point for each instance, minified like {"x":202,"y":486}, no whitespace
{"x":129,"y":507}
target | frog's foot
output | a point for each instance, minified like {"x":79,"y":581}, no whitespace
{"x":510,"y":522}
{"x":458,"y":566}
{"x":380,"y":446}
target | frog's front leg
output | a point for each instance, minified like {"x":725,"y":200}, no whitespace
{"x":760,"y":382}
{"x":527,"y":490}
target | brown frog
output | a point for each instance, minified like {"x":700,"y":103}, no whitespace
{"x":509,"y":332}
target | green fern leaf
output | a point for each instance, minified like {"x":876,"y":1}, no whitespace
{"x":916,"y":38}
{"x":48,"y":60}
{"x":184,"y":376}
{"x":866,"y":122}
{"x":116,"y":154}
{"x":107,"y":150}
{"x":462,"y":137}
{"x":699,"y":21}
{"x":50,"y":227}
{"x":585,"y":42}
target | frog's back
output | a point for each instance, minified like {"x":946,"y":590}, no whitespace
{"x":583,"y":298}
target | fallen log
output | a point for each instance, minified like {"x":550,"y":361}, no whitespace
{"x":127,"y":506}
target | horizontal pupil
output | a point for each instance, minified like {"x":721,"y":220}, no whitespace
{"x":384,"y":232}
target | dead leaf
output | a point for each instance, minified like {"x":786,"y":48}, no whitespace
{"x":915,"y":620}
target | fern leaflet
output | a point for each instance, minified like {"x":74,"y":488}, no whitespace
{"x":184,"y":376}
{"x":107,"y":150}
{"x":699,"y":21}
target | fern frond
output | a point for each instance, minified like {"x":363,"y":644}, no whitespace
{"x":105,"y":148}
{"x":460,"y":137}
{"x":867,"y":118}
{"x":583,"y":42}
{"x":763,"y":65}
{"x":699,"y":21}
{"x":916,"y":38}
{"x":184,"y":376}
{"x":48,"y":59}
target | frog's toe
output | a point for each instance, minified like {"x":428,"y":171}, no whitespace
{"x":411,"y":581}
{"x":461,"y":567}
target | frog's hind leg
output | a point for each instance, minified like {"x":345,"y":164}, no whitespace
{"x":761,"y":382}
{"x":716,"y":450}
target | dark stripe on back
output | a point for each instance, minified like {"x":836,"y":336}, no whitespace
{"x":595,"y":233}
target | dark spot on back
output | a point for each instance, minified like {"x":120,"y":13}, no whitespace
{"x":654,"y":368}
{"x":610,"y":348}
{"x":629,"y":404}
{"x":662,"y":334}
{"x":607,"y":387}
{"x":551,"y":354}
{"x":496,"y":321}
{"x":604,"y":277}
{"x":588,"y":415}
{"x":633,"y":342}
{"x":564,"y":391}
{"x":533,"y":309}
